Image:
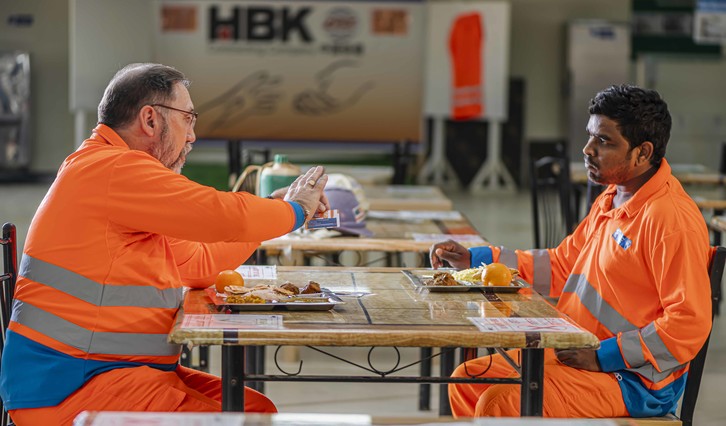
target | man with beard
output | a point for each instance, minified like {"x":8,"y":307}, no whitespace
{"x":634,"y":273}
{"x":118,"y":235}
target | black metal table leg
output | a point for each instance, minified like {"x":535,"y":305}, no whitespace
{"x":447,"y":367}
{"x":260,"y":367}
{"x":233,"y":371}
{"x":424,"y":389}
{"x":204,"y":358}
{"x":532,"y":382}
{"x":234,"y":158}
{"x":251,"y":354}
{"x":185,"y":359}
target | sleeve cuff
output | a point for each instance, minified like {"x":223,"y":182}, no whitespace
{"x":480,"y":255}
{"x":299,"y":214}
{"x":609,"y":355}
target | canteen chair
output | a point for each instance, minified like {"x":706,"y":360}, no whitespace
{"x":247,"y":181}
{"x":552,"y":206}
{"x":695,"y":372}
{"x":9,"y":244}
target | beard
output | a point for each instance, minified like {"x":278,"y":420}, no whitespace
{"x":164,"y":151}
{"x":612,"y":174}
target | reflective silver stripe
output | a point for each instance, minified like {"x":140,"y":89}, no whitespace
{"x":598,"y":307}
{"x":542,"y":280}
{"x":85,"y":340}
{"x":508,"y":257}
{"x":649,"y":372}
{"x":660,"y":351}
{"x":630,"y":341}
{"x":632,"y":350}
{"x":97,"y":294}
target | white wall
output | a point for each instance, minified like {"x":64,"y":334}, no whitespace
{"x":538,"y":55}
{"x":47,"y":41}
{"x":695,"y":89}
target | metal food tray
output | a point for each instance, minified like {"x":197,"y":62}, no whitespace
{"x":417,"y":277}
{"x":326,"y":302}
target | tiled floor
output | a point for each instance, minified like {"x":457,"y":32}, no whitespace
{"x":501,"y":218}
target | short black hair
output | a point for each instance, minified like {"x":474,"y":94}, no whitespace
{"x":134,"y":86}
{"x":642,"y":115}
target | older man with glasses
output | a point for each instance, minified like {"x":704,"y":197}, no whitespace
{"x":109,"y":250}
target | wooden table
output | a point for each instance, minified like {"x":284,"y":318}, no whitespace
{"x":687,"y":174}
{"x":304,"y":419}
{"x":396,"y":313}
{"x":719,"y":223}
{"x":717,"y":205}
{"x":390,"y":236}
{"x":406,"y":197}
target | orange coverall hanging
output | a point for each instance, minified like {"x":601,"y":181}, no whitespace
{"x":465,"y":46}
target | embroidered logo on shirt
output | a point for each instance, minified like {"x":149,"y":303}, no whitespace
{"x":621,"y":239}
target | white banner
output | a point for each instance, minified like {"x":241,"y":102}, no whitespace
{"x":299,"y":70}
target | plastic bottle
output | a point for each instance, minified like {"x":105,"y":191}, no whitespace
{"x":278,"y":175}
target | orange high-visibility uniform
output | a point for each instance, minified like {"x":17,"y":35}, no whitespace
{"x":141,"y":389}
{"x":107,"y":254}
{"x":465,"y":47}
{"x":636,"y":277}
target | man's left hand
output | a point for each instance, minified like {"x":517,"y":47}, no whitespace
{"x":584,"y":359}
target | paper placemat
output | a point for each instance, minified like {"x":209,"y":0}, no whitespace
{"x":262,"y":272}
{"x":556,"y":325}
{"x":240,"y":322}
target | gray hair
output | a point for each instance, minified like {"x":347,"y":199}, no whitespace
{"x":134,"y":86}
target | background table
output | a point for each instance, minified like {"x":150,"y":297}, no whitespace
{"x":406,"y":197}
{"x":396,"y":313}
{"x":389,"y":236}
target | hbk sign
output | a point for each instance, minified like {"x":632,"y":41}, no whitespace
{"x":259,"y":23}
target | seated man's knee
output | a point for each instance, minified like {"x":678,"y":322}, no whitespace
{"x":459,"y":371}
{"x":499,"y":401}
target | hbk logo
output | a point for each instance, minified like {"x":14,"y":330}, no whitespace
{"x":259,"y":23}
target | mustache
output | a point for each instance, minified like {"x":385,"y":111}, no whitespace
{"x":589,"y":162}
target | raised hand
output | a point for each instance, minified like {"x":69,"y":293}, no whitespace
{"x":308,"y":191}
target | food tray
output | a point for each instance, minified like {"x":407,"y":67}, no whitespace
{"x":417,"y":277}
{"x":304,"y":302}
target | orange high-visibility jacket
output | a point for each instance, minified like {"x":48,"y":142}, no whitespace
{"x":107,"y":254}
{"x":465,"y":47}
{"x":635,"y":276}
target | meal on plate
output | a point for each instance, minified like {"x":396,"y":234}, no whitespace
{"x":493,"y":274}
{"x":263,"y":291}
{"x":311,"y":287}
{"x":471,"y":274}
{"x":441,"y":279}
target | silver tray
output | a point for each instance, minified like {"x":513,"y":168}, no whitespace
{"x":305,"y":302}
{"x":418,"y":276}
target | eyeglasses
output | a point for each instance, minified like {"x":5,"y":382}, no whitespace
{"x":192,"y":113}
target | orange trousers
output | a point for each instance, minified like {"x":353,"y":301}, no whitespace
{"x":141,"y":389}
{"x":568,"y":392}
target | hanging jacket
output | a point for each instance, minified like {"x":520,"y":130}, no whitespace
{"x":108,"y":251}
{"x":635,"y":276}
{"x":465,"y":47}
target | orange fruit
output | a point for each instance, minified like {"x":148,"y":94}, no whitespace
{"x":496,"y":274}
{"x":228,"y":277}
